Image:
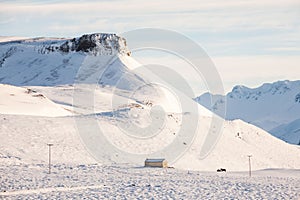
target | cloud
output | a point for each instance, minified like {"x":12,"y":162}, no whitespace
{"x":250,"y":41}
{"x":214,"y":16}
{"x":192,"y":15}
{"x":149,"y":7}
{"x":288,"y":49}
{"x":252,"y":71}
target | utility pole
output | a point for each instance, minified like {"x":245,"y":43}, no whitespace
{"x":49,"y":145}
{"x":249,"y":156}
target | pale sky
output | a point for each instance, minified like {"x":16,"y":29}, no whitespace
{"x":250,"y":41}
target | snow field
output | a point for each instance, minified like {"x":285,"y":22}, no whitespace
{"x":128,"y":182}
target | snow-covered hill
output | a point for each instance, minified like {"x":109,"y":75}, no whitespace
{"x":24,"y":139}
{"x":269,"y":107}
{"x":121,"y":99}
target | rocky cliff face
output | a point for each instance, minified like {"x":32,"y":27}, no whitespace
{"x":98,"y":44}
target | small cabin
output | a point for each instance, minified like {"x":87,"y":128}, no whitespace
{"x":156,"y":163}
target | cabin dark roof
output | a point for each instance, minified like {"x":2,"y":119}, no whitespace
{"x":155,"y":160}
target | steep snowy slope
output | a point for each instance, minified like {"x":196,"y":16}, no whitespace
{"x":268,"y":106}
{"x":22,"y":101}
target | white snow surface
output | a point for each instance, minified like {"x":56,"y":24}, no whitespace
{"x":129,"y":182}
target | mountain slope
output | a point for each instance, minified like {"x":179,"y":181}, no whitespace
{"x":267,"y":106}
{"x":288,"y":132}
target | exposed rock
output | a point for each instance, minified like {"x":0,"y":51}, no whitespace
{"x":97,"y":44}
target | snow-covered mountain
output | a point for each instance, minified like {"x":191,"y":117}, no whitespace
{"x":56,"y":61}
{"x":274,"y":107}
{"x":121,"y":99}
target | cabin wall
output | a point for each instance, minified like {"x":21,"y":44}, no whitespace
{"x":163,"y":164}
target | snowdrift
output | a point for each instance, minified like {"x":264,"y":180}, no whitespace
{"x":25,"y":101}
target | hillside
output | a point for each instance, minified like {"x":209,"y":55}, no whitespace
{"x":24,"y":141}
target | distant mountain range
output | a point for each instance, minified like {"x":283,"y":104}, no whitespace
{"x":274,"y":107}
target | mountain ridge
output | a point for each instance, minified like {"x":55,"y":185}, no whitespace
{"x":267,"y":106}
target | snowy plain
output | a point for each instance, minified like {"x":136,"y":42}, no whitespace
{"x":133,"y":182}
